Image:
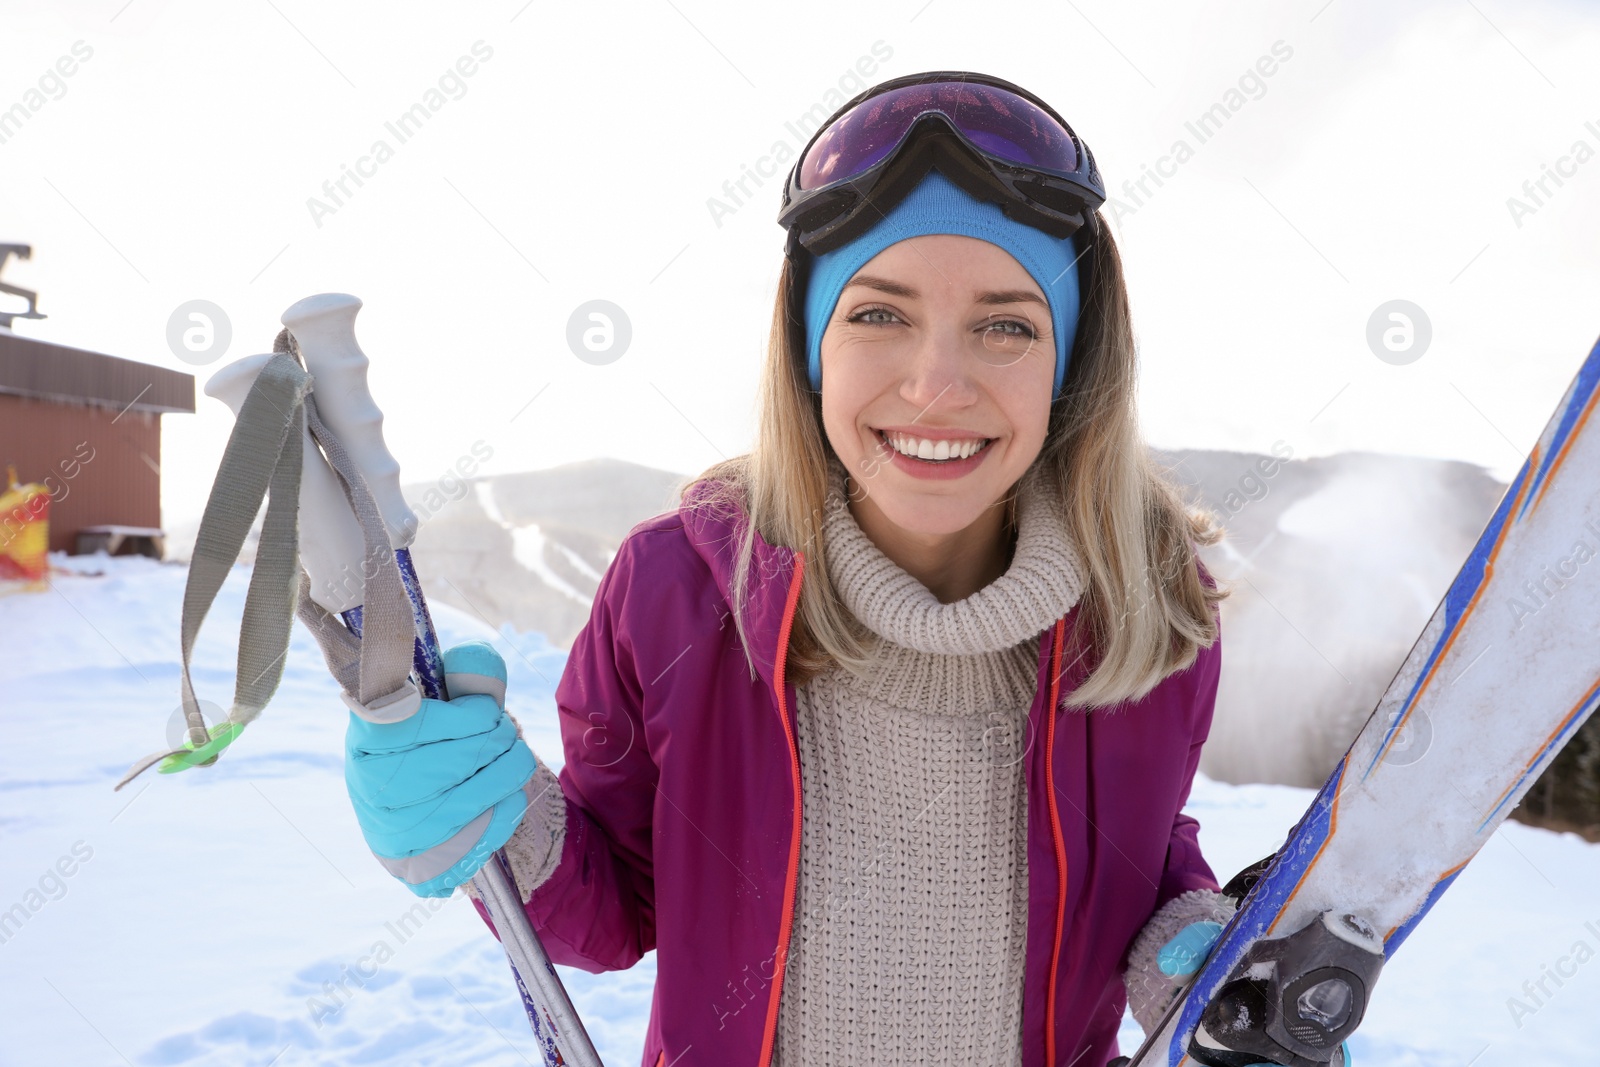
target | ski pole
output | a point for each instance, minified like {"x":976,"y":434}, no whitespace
{"x":323,"y":329}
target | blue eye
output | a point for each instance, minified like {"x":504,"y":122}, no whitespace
{"x":1027,"y":330}
{"x":861,"y":315}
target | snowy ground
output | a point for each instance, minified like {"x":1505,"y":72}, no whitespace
{"x":211,"y":917}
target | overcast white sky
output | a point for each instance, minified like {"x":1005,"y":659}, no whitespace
{"x":1374,"y":164}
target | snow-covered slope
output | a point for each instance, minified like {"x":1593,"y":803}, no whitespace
{"x":233,"y":916}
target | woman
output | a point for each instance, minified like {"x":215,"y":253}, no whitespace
{"x":881,"y":740}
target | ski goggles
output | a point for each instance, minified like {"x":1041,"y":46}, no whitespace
{"x":992,"y":137}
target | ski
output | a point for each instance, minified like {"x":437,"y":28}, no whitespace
{"x":1507,"y":668}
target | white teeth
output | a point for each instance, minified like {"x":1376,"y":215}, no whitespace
{"x":925,"y":448}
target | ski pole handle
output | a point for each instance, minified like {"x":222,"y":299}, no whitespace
{"x":324,"y":328}
{"x":324,"y":332}
{"x":332,"y":546}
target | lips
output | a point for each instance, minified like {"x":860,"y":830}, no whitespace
{"x":957,"y":466}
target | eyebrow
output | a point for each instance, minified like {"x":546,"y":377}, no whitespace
{"x":893,"y":288}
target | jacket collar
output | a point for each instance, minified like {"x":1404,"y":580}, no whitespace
{"x":714,"y":532}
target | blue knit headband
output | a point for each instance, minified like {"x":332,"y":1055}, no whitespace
{"x":938,"y":205}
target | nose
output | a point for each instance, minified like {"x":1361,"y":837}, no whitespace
{"x":939,"y":370}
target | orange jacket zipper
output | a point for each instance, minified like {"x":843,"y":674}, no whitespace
{"x":784,"y":932}
{"x":1060,"y":845}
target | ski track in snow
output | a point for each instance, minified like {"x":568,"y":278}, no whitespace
{"x":232,"y":915}
{"x":528,"y":546}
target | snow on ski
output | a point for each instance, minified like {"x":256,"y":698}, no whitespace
{"x":1505,"y":671}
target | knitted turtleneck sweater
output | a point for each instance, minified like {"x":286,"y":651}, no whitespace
{"x":911,"y":911}
{"x":911,"y":907}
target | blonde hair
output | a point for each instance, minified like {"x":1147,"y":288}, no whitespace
{"x":1144,"y":612}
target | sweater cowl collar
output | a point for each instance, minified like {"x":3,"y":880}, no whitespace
{"x":1042,"y":583}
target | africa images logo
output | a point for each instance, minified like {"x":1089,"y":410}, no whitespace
{"x":736,"y":192}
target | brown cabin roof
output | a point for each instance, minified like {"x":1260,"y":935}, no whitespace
{"x":45,"y":371}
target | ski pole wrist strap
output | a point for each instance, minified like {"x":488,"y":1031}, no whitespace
{"x":263,"y":460}
{"x":264,"y":452}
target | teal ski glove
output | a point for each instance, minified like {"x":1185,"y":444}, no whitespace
{"x":1184,"y":954}
{"x":437,"y":793}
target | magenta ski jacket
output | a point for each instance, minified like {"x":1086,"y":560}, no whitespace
{"x":682,"y":782}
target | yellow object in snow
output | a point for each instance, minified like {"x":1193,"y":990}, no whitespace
{"x":24,"y":529}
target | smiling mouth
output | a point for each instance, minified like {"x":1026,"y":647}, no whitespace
{"x":933,"y":450}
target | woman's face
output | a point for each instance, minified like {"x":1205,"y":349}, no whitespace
{"x":944,"y":339}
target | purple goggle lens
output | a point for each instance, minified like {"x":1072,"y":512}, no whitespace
{"x":994,"y":119}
